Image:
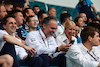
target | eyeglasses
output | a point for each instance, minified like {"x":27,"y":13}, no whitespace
{"x":33,"y":20}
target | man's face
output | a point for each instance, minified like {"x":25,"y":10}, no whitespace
{"x":95,"y":41}
{"x":32,"y":22}
{"x":30,"y":12}
{"x":50,"y":29}
{"x":9,"y":7}
{"x":52,"y":12}
{"x":10,"y":26}
{"x":3,"y":12}
{"x":36,"y":10}
{"x":19,"y":18}
{"x":44,"y":15}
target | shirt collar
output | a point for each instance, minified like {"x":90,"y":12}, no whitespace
{"x":83,"y":48}
{"x":65,"y":39}
{"x":42,"y":34}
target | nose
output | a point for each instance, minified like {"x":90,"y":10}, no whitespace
{"x":6,"y":13}
{"x":72,"y":31}
{"x":54,"y":30}
{"x":13,"y":24}
{"x":99,"y":38}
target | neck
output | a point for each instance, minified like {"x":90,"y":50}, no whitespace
{"x":10,"y":33}
{"x":63,"y":24}
{"x":88,"y":45}
{"x":32,"y":29}
{"x":69,"y":38}
{"x":80,"y":28}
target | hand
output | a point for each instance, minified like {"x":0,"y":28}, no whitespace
{"x":64,"y":47}
{"x":30,"y":50}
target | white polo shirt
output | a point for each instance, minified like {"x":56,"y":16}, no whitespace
{"x":62,"y":39}
{"x":79,"y":56}
{"x":43,"y":45}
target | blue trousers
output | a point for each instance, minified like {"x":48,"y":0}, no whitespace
{"x":32,"y":62}
{"x":60,"y":60}
{"x":45,"y":59}
{"x":10,"y":49}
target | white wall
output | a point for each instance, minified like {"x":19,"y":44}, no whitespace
{"x":69,"y":3}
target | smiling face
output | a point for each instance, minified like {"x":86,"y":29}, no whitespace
{"x":50,"y":29}
{"x":10,"y":26}
{"x":36,"y":10}
{"x":80,"y":22}
{"x":32,"y":22}
{"x":70,"y":31}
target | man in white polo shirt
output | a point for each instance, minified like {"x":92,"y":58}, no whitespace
{"x":84,"y":55}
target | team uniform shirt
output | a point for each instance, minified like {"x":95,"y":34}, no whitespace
{"x":43,"y":45}
{"x":79,"y":56}
{"x":2,"y":41}
{"x":22,"y":33}
{"x":62,"y":39}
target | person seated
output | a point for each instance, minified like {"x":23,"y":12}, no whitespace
{"x":83,"y":54}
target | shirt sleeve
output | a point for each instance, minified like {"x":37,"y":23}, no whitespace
{"x":2,"y":32}
{"x":77,"y":9}
{"x":75,"y":55}
{"x":89,"y":2}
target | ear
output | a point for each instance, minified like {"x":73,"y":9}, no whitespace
{"x":89,"y":38}
{"x":39,"y":19}
{"x":27,"y":23}
{"x":44,"y":25}
{"x":26,"y":14}
{"x":4,"y":26}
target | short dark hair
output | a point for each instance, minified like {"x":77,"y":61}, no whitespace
{"x":88,"y":31}
{"x":4,"y":20}
{"x":40,"y":13}
{"x":35,"y":6}
{"x":48,"y":19}
{"x":25,"y":11}
{"x":64,"y":16}
{"x":13,"y":12}
{"x":28,"y":18}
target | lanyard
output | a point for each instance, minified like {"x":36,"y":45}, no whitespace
{"x":42,"y":38}
{"x":93,"y":56}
